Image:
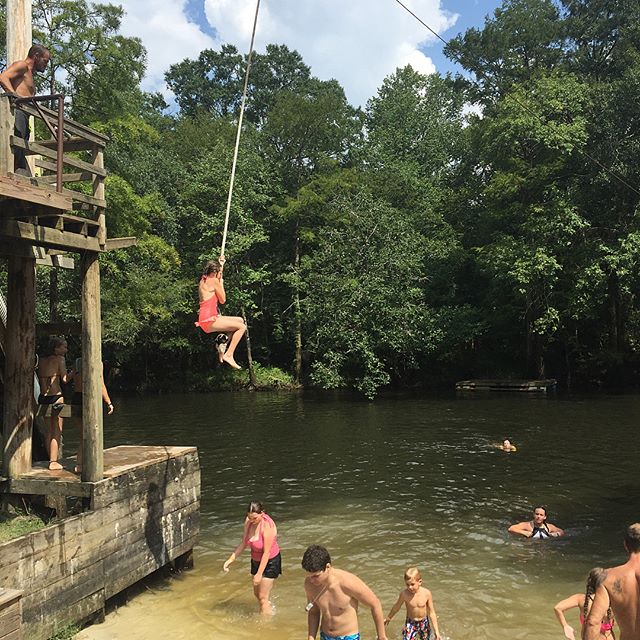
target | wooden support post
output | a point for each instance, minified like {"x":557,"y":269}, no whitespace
{"x":19,"y":365}
{"x":19,"y":41}
{"x":6,"y":130}
{"x":93,"y":463}
{"x":99,"y":192}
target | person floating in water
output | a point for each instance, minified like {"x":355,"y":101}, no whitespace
{"x":506,"y":445}
{"x":538,"y":528}
{"x":333,"y":596}
{"x":421,"y":612}
{"x":583,"y":602}
{"x":211,"y":292}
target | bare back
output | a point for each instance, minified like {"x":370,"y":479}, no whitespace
{"x":51,"y":371}
{"x":623,"y":587}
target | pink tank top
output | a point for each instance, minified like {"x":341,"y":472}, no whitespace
{"x":257,"y":546}
{"x":208,"y":311}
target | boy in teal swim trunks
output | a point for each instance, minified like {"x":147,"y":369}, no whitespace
{"x":421,"y":613}
{"x":333,"y":596}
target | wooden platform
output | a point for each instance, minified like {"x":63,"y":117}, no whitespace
{"x":144,"y":515}
{"x":118,"y":461}
{"x":539,"y":386}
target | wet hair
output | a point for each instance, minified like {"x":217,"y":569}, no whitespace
{"x":543,"y":508}
{"x":412,"y":572}
{"x":212,"y":267}
{"x":54,"y":343}
{"x":596,"y":577}
{"x":632,"y":538}
{"x":255,"y":507}
{"x":315,"y":558}
{"x":37,"y":51}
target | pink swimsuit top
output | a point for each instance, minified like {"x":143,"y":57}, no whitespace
{"x":604,"y":626}
{"x":208,"y":310}
{"x":257,"y":546}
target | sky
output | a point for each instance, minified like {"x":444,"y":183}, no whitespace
{"x":357,"y":42}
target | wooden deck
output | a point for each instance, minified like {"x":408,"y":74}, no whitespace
{"x":118,"y":461}
{"x":538,"y":386}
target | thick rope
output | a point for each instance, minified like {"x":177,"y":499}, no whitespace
{"x":235,"y":152}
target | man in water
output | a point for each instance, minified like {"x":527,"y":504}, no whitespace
{"x":334,"y":594}
{"x":620,"y":591}
{"x":17,"y":79}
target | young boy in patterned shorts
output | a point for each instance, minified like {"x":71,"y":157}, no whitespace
{"x":421,"y":613}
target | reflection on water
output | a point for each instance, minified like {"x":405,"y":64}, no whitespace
{"x":400,"y":481}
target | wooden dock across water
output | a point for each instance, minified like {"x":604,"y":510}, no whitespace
{"x":538,"y":386}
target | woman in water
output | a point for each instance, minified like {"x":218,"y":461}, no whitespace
{"x":583,"y":601}
{"x":211,"y":292}
{"x":52,"y":374}
{"x":537,"y":528}
{"x":261,"y":535}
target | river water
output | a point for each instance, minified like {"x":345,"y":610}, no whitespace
{"x":404,"y":480}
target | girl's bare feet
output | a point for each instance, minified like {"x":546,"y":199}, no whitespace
{"x":230,"y":361}
{"x":55,"y":466}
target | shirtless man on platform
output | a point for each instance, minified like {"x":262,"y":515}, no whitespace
{"x":333,"y":595}
{"x":17,"y":78}
{"x":621,"y":591}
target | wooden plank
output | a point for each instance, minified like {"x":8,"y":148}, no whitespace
{"x":92,"y":426}
{"x":21,"y":189}
{"x":59,"y":262}
{"x":121,"y":487}
{"x":33,"y":148}
{"x":47,"y":237}
{"x":6,"y":130}
{"x":56,"y":620}
{"x":9,"y":597}
{"x":10,"y":619}
{"x":39,"y":487}
{"x":70,"y":126}
{"x":66,"y":177}
{"x":75,"y":143}
{"x":18,"y":387}
{"x":113,"y":244}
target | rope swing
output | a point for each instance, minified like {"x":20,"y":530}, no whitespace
{"x":237,"y":147}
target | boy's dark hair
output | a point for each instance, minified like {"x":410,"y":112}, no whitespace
{"x":54,"y":343}
{"x":315,"y":558}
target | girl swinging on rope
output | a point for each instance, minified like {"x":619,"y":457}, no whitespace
{"x":211,"y":291}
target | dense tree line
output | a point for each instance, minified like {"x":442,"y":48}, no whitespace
{"x":483,"y":224}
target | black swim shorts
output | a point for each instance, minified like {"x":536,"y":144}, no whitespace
{"x":42,"y":399}
{"x":272,"y":570}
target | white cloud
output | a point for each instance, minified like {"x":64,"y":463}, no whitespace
{"x":357,"y":42}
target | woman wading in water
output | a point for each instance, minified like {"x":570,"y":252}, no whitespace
{"x":583,"y":602}
{"x":261,"y":536}
{"x":211,"y":292}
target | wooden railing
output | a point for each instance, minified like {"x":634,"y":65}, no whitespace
{"x":73,"y":154}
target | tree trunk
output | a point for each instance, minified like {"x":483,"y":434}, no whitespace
{"x":297,"y":368}
{"x":252,"y":373}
